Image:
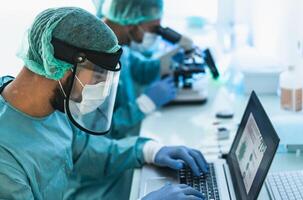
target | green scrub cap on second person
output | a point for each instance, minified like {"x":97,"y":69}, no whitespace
{"x":132,"y":12}
{"x":74,"y":26}
{"x":98,"y":5}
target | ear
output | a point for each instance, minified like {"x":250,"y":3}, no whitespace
{"x":136,"y":33}
{"x":66,"y":77}
{"x":65,"y":81}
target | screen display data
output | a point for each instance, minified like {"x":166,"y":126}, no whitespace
{"x":250,"y":152}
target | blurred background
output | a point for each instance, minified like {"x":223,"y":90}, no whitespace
{"x":272,"y":27}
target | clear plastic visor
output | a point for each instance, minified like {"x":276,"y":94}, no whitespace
{"x":92,"y":97}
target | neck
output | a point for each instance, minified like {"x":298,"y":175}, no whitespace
{"x":30,"y":94}
{"x":120,"y":31}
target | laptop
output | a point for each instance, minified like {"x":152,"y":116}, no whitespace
{"x":241,"y":174}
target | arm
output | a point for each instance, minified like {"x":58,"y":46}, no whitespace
{"x":126,"y":117}
{"x":130,"y":115}
{"x":95,"y":157}
{"x":144,"y":70}
{"x":10,"y":188}
{"x":129,"y":111}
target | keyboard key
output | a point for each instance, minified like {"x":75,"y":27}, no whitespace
{"x":286,"y":185}
{"x":206,"y":183}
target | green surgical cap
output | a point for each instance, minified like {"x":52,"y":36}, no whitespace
{"x":74,"y":26}
{"x":132,"y":12}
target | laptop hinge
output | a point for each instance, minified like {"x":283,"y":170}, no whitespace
{"x":227,"y":182}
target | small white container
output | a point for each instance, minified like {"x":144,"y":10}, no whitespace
{"x":262,"y":81}
{"x":291,"y":89}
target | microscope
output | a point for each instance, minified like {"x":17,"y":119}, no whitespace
{"x":189,"y":68}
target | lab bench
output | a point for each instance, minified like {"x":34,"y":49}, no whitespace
{"x":195,"y":126}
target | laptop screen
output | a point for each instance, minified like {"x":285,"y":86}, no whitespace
{"x":252,"y":151}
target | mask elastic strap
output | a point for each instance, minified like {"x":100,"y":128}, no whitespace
{"x":79,"y":81}
{"x":129,"y":36}
{"x":62,"y":89}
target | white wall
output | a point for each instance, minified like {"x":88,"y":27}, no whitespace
{"x":15,"y":18}
{"x":276,"y":24}
{"x":177,"y":12}
{"x":277,"y":28}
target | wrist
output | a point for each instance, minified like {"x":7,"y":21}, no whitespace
{"x":146,"y":104}
{"x":150,"y":150}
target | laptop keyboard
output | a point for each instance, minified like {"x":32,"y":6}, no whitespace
{"x":286,"y":185}
{"x":206,"y":183}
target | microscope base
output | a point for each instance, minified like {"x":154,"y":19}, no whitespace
{"x":189,"y":97}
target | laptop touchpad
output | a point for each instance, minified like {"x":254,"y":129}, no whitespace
{"x":156,"y":183}
{"x":155,"y":178}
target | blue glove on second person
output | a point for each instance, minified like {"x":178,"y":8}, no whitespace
{"x":175,"y":157}
{"x":174,"y":192}
{"x":162,"y":92}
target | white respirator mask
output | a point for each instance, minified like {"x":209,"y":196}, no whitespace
{"x":92,"y":96}
{"x":149,"y":42}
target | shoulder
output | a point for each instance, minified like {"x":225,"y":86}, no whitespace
{"x":5,"y":79}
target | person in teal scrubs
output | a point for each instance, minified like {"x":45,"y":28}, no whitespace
{"x":54,"y":113}
{"x":134,"y":24}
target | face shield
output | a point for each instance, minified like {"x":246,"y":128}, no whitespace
{"x":91,"y":93}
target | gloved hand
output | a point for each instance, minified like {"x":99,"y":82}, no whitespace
{"x":174,"y":192}
{"x":176,"y":156}
{"x":162,"y":92}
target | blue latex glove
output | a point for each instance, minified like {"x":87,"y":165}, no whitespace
{"x":162,"y":92}
{"x":174,"y":192}
{"x":176,"y":156}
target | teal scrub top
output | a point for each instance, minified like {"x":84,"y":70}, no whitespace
{"x":39,"y":155}
{"x":136,"y":70}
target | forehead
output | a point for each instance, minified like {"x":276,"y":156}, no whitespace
{"x":90,"y":73}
